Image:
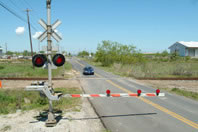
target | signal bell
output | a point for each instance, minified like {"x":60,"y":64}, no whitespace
{"x":39,"y":60}
{"x":58,"y":60}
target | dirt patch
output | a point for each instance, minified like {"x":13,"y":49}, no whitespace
{"x":66,"y":83}
{"x":188,"y":85}
{"x":83,"y":121}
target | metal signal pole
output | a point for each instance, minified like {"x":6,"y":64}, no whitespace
{"x":49,"y":42}
{"x":51,"y":119}
{"x":46,"y":87}
{"x":30,"y":36}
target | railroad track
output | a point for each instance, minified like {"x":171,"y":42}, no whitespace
{"x":23,"y":78}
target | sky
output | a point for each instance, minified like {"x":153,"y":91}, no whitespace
{"x":150,"y":25}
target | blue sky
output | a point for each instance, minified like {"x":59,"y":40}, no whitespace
{"x":150,"y":25}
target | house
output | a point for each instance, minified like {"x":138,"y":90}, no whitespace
{"x":185,"y":48}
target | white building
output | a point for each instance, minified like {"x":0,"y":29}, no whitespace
{"x":185,"y":48}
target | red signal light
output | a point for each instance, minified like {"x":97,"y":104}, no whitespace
{"x":139,"y":92}
{"x":157,"y":92}
{"x":58,"y":60}
{"x":39,"y":60}
{"x":108,"y":92}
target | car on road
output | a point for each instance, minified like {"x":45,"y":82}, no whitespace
{"x":88,"y":70}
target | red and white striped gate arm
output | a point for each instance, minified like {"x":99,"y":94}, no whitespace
{"x":114,"y":95}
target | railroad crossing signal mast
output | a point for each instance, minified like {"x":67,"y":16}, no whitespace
{"x":40,"y":59}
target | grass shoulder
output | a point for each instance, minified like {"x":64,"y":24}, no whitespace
{"x":185,"y":93}
{"x":13,"y":100}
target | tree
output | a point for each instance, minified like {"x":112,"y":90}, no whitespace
{"x":83,"y":53}
{"x":164,"y":53}
{"x":42,"y":52}
{"x":92,"y":54}
{"x":27,"y":53}
{"x":9,"y":53}
{"x":113,"y":52}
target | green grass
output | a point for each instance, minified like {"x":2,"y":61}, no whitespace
{"x":67,"y":66}
{"x":11,"y":100}
{"x":189,"y":94}
{"x":185,"y":93}
{"x":24,"y":69}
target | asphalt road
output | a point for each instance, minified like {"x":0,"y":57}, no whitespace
{"x":171,"y":113}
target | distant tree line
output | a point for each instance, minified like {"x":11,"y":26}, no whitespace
{"x":85,"y":53}
{"x":24,"y":53}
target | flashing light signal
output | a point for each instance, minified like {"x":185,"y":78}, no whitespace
{"x":139,"y":92}
{"x":58,"y":60}
{"x":39,"y":60}
{"x":157,"y":92}
{"x":108,"y":92}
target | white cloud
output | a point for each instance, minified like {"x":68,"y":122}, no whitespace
{"x":20,"y":30}
{"x":36,"y":35}
{"x":60,"y":34}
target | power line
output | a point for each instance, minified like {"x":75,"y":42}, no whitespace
{"x":14,"y":4}
{"x":12,"y":12}
{"x":32,"y":22}
{"x":33,"y":12}
{"x":19,"y":9}
{"x":15,"y":14}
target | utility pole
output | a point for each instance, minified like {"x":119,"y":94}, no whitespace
{"x":30,"y":36}
{"x":6,"y":48}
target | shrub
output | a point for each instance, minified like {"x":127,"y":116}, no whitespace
{"x":187,"y":58}
{"x":174,"y":56}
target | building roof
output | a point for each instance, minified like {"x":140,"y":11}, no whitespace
{"x":190,"y":44}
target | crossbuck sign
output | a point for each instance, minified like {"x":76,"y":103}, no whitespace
{"x":54,"y":34}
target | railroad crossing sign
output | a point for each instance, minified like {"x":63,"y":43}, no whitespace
{"x":53,"y":33}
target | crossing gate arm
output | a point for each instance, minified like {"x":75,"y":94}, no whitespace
{"x":113,"y":95}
